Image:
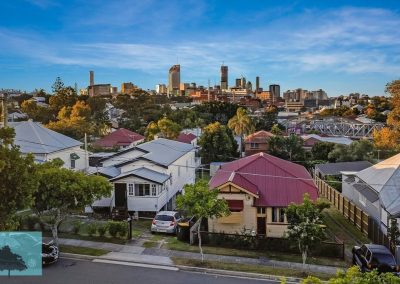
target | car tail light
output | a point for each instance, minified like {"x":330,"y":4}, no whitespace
{"x":369,"y":266}
{"x":154,"y":221}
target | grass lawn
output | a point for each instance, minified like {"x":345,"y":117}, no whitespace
{"x":83,"y":250}
{"x":150,"y":244}
{"x":174,"y":244}
{"x":249,"y":268}
{"x":342,"y":228}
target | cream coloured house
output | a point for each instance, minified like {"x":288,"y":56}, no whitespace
{"x":257,"y":189}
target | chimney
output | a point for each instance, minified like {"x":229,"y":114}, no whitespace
{"x":91,"y":83}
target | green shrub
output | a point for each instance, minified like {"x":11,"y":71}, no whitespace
{"x":117,"y":228}
{"x":76,"y":227}
{"x":113,"y":228}
{"x":92,"y":229}
{"x":102,"y":229}
{"x":123,"y":229}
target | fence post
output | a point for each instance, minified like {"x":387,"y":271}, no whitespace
{"x":362,"y":223}
{"x":342,"y":205}
{"x":355,"y":215}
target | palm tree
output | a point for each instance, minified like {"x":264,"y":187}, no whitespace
{"x":241,"y":124}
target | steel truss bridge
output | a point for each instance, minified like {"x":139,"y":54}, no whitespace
{"x":345,"y":128}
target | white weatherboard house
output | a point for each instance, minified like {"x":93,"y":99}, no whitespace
{"x":148,"y":177}
{"x":46,"y":145}
{"x":376,"y":190}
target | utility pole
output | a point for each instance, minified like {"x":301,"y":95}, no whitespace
{"x":3,"y":98}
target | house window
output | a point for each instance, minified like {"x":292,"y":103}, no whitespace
{"x":260,"y":210}
{"x":254,"y":145}
{"x":278,"y":215}
{"x":131,"y":189}
{"x":72,"y":164}
{"x":142,"y":189}
{"x":362,"y":199}
{"x":154,"y":189}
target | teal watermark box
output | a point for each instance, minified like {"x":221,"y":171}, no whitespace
{"x":20,"y":254}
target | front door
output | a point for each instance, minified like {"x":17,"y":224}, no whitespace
{"x":120,"y":195}
{"x":261,"y":226}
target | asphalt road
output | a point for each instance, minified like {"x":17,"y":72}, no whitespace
{"x":76,"y":271}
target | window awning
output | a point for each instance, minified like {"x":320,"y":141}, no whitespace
{"x":74,"y":156}
{"x":236,"y":205}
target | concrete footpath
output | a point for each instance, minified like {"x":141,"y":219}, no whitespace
{"x":138,"y":254}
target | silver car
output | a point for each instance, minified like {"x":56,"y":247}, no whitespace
{"x":165,"y":222}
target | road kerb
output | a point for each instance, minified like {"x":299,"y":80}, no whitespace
{"x":239,"y":273}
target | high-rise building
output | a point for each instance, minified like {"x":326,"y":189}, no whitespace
{"x":238,"y":83}
{"x":275,"y":91}
{"x":91,"y":83}
{"x":128,"y":88}
{"x":161,"y":89}
{"x":257,"y":84}
{"x":174,"y":79}
{"x":224,"y":77}
{"x":249,"y":86}
{"x":243,"y":83}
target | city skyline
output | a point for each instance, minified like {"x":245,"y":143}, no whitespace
{"x":295,"y":45}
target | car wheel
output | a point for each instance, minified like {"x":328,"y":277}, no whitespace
{"x":354,"y":260}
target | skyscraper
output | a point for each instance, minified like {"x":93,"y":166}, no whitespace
{"x":174,"y":79}
{"x":224,"y":77}
{"x":257,"y":84}
{"x":275,"y":91}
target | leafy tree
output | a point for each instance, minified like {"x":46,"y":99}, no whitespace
{"x":241,"y":124}
{"x":268,"y":119}
{"x":62,"y":190}
{"x":203,"y":203}
{"x":321,"y":150}
{"x":275,"y":129}
{"x":11,"y":261}
{"x":357,"y":151}
{"x":289,"y":148}
{"x":216,"y":111}
{"x":98,"y":115}
{"x":37,"y":112}
{"x":217,"y":144}
{"x":305,"y":225}
{"x":73,"y":121}
{"x":389,"y":137}
{"x":168,"y":128}
{"x":165,"y":127}
{"x":17,"y":180}
{"x":393,"y":234}
{"x":57,"y":86}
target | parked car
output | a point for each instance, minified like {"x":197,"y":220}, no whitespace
{"x":49,"y":253}
{"x":370,"y":256}
{"x":165,"y":222}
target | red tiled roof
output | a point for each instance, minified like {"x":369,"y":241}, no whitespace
{"x":186,"y":138}
{"x":120,"y":137}
{"x":277,"y":182}
{"x":260,"y":136}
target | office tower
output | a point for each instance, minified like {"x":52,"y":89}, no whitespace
{"x":249,"y":86}
{"x":224,"y":77}
{"x":174,"y":79}
{"x":275,"y":91}
{"x":243,"y":82}
{"x":91,"y":83}
{"x":257,"y":84}
{"x":238,"y":83}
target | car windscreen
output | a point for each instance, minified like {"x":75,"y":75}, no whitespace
{"x":383,"y":258}
{"x":164,"y":218}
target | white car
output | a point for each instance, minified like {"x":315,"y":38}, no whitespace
{"x":165,"y":222}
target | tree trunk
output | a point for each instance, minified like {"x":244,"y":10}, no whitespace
{"x":199,"y":237}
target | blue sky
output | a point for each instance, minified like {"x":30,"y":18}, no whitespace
{"x":339,"y":46}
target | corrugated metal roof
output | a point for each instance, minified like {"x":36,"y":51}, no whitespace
{"x":144,"y":173}
{"x":336,"y":140}
{"x":120,"y":137}
{"x":186,"y":138}
{"x":278,"y":182}
{"x":333,"y":169}
{"x":164,"y":151}
{"x":384,"y":178}
{"x":33,"y":137}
